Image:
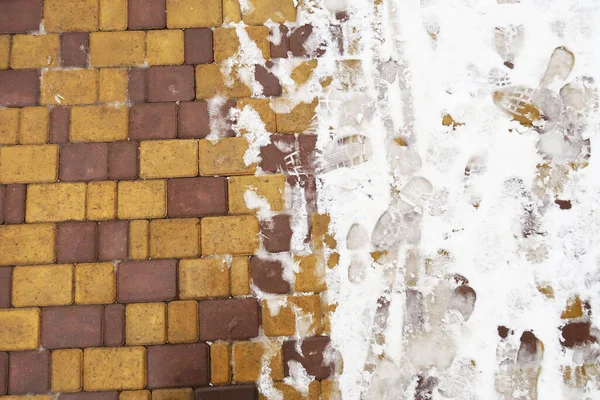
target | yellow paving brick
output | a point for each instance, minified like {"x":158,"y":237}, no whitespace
{"x":263,"y":10}
{"x":210,"y":81}
{"x":19,"y":328}
{"x":239,"y":273}
{"x":297,"y":119}
{"x":203,"y":278}
{"x":34,"y":51}
{"x":27,"y":244}
{"x":168,"y":158}
{"x":328,"y":310}
{"x":29,"y":397}
{"x":230,"y":235}
{"x":112,"y":85}
{"x":302,"y":72}
{"x":225,"y":157}
{"x":320,"y":232}
{"x":142,"y":199}
{"x":290,"y":393}
{"x":67,"y":370}
{"x":4,"y":51}
{"x":264,"y":110}
{"x":113,"y":15}
{"x":70,"y":15}
{"x":116,"y":49}
{"x":183,"y":321}
{"x":146,"y":323}
{"x":311,"y":274}
{"x":194,"y":13}
{"x":69,"y":86}
{"x":135,"y":395}
{"x":330,"y":390}
{"x":247,"y":360}
{"x":55,"y":202}
{"x":269,"y":187}
{"x":220,"y":365}
{"x":101,"y":200}
{"x":175,"y":238}
{"x":173,"y":394}
{"x":34,"y":125}
{"x":231,"y":11}
{"x":42,"y":285}
{"x":139,"y":240}
{"x":95,"y":283}
{"x":302,"y":312}
{"x":227,"y":42}
{"x":29,"y":164}
{"x":164,"y":47}
{"x":9,"y":125}
{"x":99,"y":123}
{"x":114,"y":368}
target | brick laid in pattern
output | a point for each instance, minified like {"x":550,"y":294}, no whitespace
{"x":14,"y":204}
{"x":74,"y":49}
{"x":164,"y":47}
{"x":238,"y":392}
{"x":29,"y":372}
{"x":98,"y":123}
{"x":73,"y":326}
{"x":142,"y":199}
{"x":113,"y":240}
{"x":113,"y":15}
{"x":3,"y":373}
{"x":95,"y":283}
{"x":203,"y":278}
{"x":236,"y":235}
{"x":114,"y":325}
{"x":178,"y":365}
{"x":168,"y":158}
{"x":197,"y":197}
{"x":193,"y":120}
{"x":103,"y":368}
{"x":19,"y":329}
{"x":69,"y":86}
{"x":28,"y":164}
{"x":141,"y":281}
{"x":82,"y":162}
{"x":59,"y":125}
{"x":77,"y":242}
{"x":5,"y":286}
{"x":153,"y":121}
{"x":70,"y":15}
{"x":101,"y":200}
{"x":19,"y":88}
{"x":146,"y":323}
{"x":198,"y":46}
{"x":44,"y":285}
{"x":194,"y":13}
{"x":220,"y":366}
{"x":34,"y":51}
{"x":183,"y":321}
{"x":27,"y":244}
{"x":20,"y":17}
{"x":170,"y":83}
{"x":277,"y":233}
{"x":66,"y":370}
{"x":123,"y":160}
{"x":147,"y":14}
{"x":269,"y":187}
{"x":9,"y":125}
{"x":175,"y":238}
{"x":232,"y":319}
{"x":311,"y":356}
{"x":268,"y":276}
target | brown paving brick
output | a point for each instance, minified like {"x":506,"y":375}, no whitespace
{"x":59,"y":125}
{"x":72,"y":326}
{"x":298,"y":38}
{"x":281,"y":49}
{"x":137,"y":85}
{"x":3,"y":373}
{"x":29,"y":372}
{"x":170,"y":83}
{"x":147,"y":14}
{"x":277,"y":233}
{"x":197,"y":197}
{"x":2,"y":200}
{"x":237,"y":392}
{"x":311,"y":358}
{"x":153,"y":121}
{"x":89,"y":396}
{"x":82,"y":162}
{"x":20,"y":16}
{"x":231,"y":319}
{"x":193,"y":120}
{"x":268,"y":276}
{"x":268,"y":80}
{"x":220,"y":119}
{"x":142,"y":281}
{"x":5,"y":289}
{"x":123,"y":160}
{"x":76,"y":242}
{"x":114,"y":325}
{"x":19,"y":88}
{"x":113,"y":240}
{"x":198,"y":46}
{"x":179,"y":365}
{"x":74,"y":49}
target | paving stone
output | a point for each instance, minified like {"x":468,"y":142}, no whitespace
{"x":168,"y":158}
{"x":4,"y":51}
{"x":264,"y":110}
{"x":113,"y":240}
{"x":101,"y":202}
{"x":225,"y":157}
{"x":303,"y":71}
{"x":114,"y":325}
{"x":277,"y":233}
{"x":83,"y":162}
{"x":307,"y":309}
{"x":193,"y":120}
{"x":70,"y":15}
{"x":311,"y":357}
{"x":275,"y":10}
{"x":103,"y":368}
{"x":113,"y":15}
{"x":135,"y":395}
{"x":123,"y":160}
{"x":3,"y":373}
{"x":173,"y":394}
{"x":153,"y":121}
{"x":9,"y":125}
{"x":55,"y":202}
{"x":137,"y":85}
{"x":139,"y":240}
{"x":239,"y":272}
{"x":34,"y":51}
{"x":2,"y":200}
{"x":147,"y":14}
{"x":178,"y":365}
{"x":269,"y":82}
{"x":98,"y":123}
{"x":20,"y":16}
{"x":210,"y":82}
{"x":112,"y":85}
{"x":198,"y":46}
{"x":142,"y":199}
{"x":69,"y":86}
{"x":297,"y":120}
{"x":182,"y":325}
{"x":237,"y":392}
{"x":227,"y":43}
{"x":231,"y":11}
{"x":76,"y":242}
{"x":89,"y":396}
{"x":27,"y":244}
{"x":5,"y":289}
{"x":14,"y":204}
{"x":19,"y":88}
{"x":59,"y":125}
{"x":175,"y":238}
{"x":268,"y":276}
{"x":290,"y":392}
{"x":164,"y":47}
{"x":34,"y":125}
{"x":74,"y":49}
{"x":197,"y":197}
{"x":203,"y":278}
{"x":194,"y":13}
{"x":298,"y":39}
{"x":236,"y":235}
{"x":67,"y":366}
{"x":117,"y":49}
{"x":271,"y":188}
{"x":247,"y":361}
{"x":146,"y":323}
{"x":311,"y":274}
{"x":220,"y":364}
{"x":231,"y":319}
{"x":170,"y":83}
{"x":19,"y":329}
{"x":42,"y":285}
{"x":281,"y":49}
{"x":29,"y":372}
{"x":144,"y":281}
{"x":73,"y":326}
{"x":95,"y":283}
